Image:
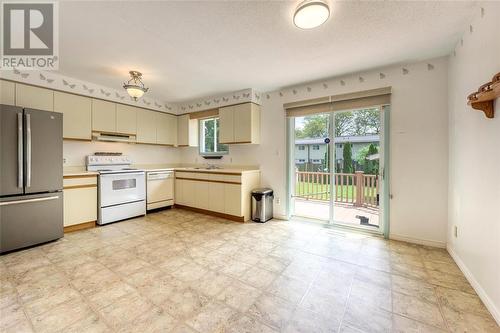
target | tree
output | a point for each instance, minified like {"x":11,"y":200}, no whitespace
{"x":315,"y":126}
{"x":347,"y":158}
{"x":366,"y":122}
{"x":370,"y":167}
{"x":355,"y":123}
{"x":343,"y":123}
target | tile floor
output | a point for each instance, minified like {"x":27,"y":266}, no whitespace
{"x":177,"y":271}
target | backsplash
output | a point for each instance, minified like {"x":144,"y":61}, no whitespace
{"x":74,"y":152}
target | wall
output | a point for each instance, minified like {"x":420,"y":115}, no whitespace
{"x":419,"y":143}
{"x":56,"y":81}
{"x":474,"y":191}
{"x":74,"y":152}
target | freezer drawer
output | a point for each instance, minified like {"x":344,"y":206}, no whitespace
{"x":30,"y":220}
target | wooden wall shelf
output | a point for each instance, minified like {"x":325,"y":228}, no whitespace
{"x":483,"y":99}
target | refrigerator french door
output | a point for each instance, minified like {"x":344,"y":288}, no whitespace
{"x":31,"y":199}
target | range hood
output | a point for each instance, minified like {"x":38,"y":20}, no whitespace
{"x":104,"y":136}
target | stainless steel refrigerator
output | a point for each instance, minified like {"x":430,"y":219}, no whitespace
{"x":31,"y":197}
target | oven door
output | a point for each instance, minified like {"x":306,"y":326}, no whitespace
{"x":120,"y":188}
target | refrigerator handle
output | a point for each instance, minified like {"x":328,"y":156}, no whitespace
{"x":16,"y":202}
{"x":28,"y":150}
{"x":20,"y":150}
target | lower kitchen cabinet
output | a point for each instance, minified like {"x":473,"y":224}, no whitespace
{"x":202,"y":195}
{"x":179,"y":192}
{"x":228,"y":194}
{"x":232,"y":199}
{"x":80,"y":202}
{"x":216,"y":197}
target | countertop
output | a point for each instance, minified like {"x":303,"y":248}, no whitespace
{"x":81,"y":170}
{"x":77,"y":171}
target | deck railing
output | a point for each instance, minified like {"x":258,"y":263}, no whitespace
{"x":356,"y":188}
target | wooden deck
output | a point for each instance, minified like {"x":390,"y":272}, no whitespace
{"x":342,"y":213}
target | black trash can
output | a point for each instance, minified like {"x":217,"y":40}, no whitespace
{"x":262,"y":204}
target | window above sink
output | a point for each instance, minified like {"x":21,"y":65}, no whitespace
{"x":209,"y":138}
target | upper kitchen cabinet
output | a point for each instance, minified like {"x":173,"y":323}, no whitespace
{"x":103,"y":116}
{"x":146,"y":126}
{"x":34,"y":97}
{"x":77,"y":111}
{"x":166,"y":129}
{"x":126,"y":119}
{"x":7,"y":92}
{"x":187,"y":131}
{"x":240,"y":124}
{"x":226,"y":122}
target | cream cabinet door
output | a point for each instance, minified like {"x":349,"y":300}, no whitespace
{"x":103,"y":116}
{"x":189,"y":193}
{"x":182,"y":130}
{"x":126,"y":119}
{"x":226,"y":123}
{"x":163,"y":129}
{"x":242,"y":123}
{"x":187,"y":131}
{"x":216,"y":197}
{"x":34,"y":97}
{"x":172,"y":126}
{"x":202,"y":195}
{"x":232,"y":199}
{"x":80,"y":205}
{"x":146,"y":126}
{"x":7,"y":92}
{"x":77,"y":115}
{"x":247,"y":123}
{"x":179,"y":192}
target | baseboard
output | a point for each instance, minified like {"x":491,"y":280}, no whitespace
{"x":477,"y":287}
{"x":425,"y":242}
{"x":280,"y":217}
{"x":80,"y":226}
{"x":209,"y":212}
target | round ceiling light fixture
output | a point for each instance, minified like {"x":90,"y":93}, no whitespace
{"x":311,"y":14}
{"x":135,"y":88}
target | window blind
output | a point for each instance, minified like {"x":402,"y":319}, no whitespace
{"x":356,"y":100}
{"x":204,"y":114}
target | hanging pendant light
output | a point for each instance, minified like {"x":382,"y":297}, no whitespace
{"x":135,"y":87}
{"x":311,"y":14}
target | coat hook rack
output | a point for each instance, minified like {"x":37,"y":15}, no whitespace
{"x":483,"y":99}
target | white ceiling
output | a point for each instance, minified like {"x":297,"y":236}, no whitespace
{"x":189,"y":49}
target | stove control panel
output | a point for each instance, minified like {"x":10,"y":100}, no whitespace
{"x":108,"y":160}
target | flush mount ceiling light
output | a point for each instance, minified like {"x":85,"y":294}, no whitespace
{"x":135,"y":88}
{"x":311,"y":14}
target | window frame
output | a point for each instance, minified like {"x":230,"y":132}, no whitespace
{"x":201,"y":140}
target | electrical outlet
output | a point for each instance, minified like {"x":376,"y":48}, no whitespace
{"x":64,"y":160}
{"x":455,"y":231}
{"x":278,"y":201}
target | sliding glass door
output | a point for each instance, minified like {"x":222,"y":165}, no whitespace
{"x":311,"y":166}
{"x":336,"y":167}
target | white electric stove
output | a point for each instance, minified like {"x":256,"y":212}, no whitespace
{"x":121,"y":189}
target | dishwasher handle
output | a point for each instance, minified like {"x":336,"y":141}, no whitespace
{"x":159,"y":175}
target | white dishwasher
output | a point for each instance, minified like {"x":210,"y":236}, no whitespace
{"x":160,"y":189}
